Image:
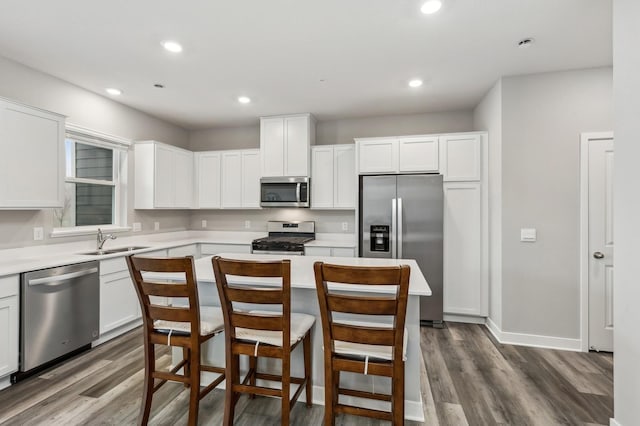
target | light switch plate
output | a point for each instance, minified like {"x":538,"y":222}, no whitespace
{"x":137,"y":227}
{"x":38,"y":234}
{"x":247,"y":224}
{"x":528,"y":235}
{"x":204,"y":223}
{"x":156,"y":226}
{"x":345,"y":226}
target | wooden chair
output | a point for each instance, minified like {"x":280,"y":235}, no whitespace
{"x":183,"y":326}
{"x":363,"y":347}
{"x":259,"y":333}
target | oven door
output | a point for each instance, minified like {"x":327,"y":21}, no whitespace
{"x":285,"y":192}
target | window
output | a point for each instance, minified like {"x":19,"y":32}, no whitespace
{"x":94,"y":183}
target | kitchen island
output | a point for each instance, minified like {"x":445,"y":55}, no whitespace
{"x":304,"y":300}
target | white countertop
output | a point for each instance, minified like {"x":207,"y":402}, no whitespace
{"x":24,"y":259}
{"x":302,"y":275}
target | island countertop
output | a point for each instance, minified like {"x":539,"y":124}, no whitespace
{"x":302,"y":275}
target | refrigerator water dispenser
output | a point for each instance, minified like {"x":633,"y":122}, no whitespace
{"x":379,"y":237}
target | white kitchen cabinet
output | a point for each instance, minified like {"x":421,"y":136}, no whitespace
{"x":9,"y":323}
{"x":182,"y":251}
{"x":241,"y":179}
{"x":119,"y":303}
{"x":333,"y":177}
{"x":284,"y":144}
{"x":213,"y":249}
{"x":464,"y":286}
{"x":330,"y":251}
{"x":403,"y":154}
{"x":208,"y":171}
{"x":163,"y":176}
{"x":251,"y":178}
{"x":31,"y":157}
{"x":461,"y":157}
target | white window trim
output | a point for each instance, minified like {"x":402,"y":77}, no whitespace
{"x":120,"y":147}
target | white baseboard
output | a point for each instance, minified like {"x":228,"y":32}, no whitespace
{"x":413,"y":410}
{"x":533,"y":340}
{"x":468,"y":319}
{"x":5,"y":382}
{"x":105,"y":337}
{"x":613,"y":422}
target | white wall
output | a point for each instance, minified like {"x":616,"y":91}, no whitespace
{"x":87,"y":109}
{"x":626,"y":334}
{"x":488,"y":116}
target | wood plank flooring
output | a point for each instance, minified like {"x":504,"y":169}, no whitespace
{"x":467,"y":379}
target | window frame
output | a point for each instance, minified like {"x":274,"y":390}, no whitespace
{"x":119,"y":147}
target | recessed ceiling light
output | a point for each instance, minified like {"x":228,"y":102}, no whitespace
{"x":525,"y":42}
{"x":431,"y":6}
{"x":113,"y":91}
{"x":172,"y":46}
{"x":244,"y":99}
{"x":415,"y":83}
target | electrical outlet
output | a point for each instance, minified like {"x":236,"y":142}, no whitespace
{"x":204,"y":223}
{"x":156,"y":226}
{"x":345,"y":226}
{"x":38,"y":234}
{"x":247,"y":224}
{"x":137,"y":227}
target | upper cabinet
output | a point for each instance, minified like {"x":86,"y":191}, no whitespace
{"x":398,"y":155}
{"x":333,"y":177}
{"x":208,"y":173}
{"x":163,"y":176}
{"x":285,"y":143}
{"x":460,"y":157}
{"x":31,"y":147}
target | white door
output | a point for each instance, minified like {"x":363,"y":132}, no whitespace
{"x":344,"y":180}
{"x":272,"y":146}
{"x":296,"y":149}
{"x":601,"y":244}
{"x":251,"y":178}
{"x":232,"y":180}
{"x":322,"y":176}
{"x":208,"y":180}
{"x":164,"y":191}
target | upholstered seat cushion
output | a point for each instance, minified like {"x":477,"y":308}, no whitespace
{"x":211,"y":321}
{"x":300,"y":324}
{"x":361,"y":350}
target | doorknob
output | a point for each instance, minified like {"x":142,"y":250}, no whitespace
{"x":598,"y":255}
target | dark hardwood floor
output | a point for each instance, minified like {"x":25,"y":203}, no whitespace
{"x":468,"y":379}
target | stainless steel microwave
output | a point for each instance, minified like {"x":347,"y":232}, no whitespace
{"x":285,"y":192}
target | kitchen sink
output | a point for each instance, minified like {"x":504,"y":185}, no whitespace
{"x":114,"y":250}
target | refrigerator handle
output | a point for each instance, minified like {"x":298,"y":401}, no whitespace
{"x":399,"y":224}
{"x":392,"y":231}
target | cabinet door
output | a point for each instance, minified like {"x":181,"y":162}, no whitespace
{"x":378,"y":156}
{"x":251,"y":178}
{"x":344,"y":177}
{"x":272,"y":146}
{"x":164,"y":190}
{"x":212,"y":249}
{"x":462,"y":249}
{"x":118,"y":301}
{"x":31,"y":157}
{"x":232,"y":179}
{"x":460,"y":157}
{"x":317,"y":251}
{"x":322,"y":184}
{"x":419,"y":154}
{"x":190,"y":250}
{"x":183,"y":181}
{"x":208,"y":179}
{"x":8,"y":335}
{"x":296,"y":149}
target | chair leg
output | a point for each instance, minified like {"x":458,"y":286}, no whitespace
{"x":253,"y":370}
{"x":149,"y":368}
{"x":286,"y":387}
{"x":329,"y":416}
{"x":397,"y":406}
{"x":194,"y":394}
{"x":232,"y":377}
{"x":186,"y":354}
{"x":306,"y":346}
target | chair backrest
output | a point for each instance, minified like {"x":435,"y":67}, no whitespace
{"x":152,"y":312}
{"x":254,"y":295}
{"x":381,"y":303}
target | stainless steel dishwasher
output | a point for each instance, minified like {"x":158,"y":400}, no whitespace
{"x":59,"y":313}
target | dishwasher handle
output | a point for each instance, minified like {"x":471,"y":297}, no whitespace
{"x":58,"y":279}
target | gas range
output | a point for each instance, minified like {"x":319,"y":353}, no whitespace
{"x":285,"y":238}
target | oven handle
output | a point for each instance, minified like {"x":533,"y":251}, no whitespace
{"x":58,"y":279}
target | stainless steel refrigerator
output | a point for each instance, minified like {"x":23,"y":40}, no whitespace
{"x":401,"y":218}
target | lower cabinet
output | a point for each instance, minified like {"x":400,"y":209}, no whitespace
{"x":213,"y":249}
{"x":464,"y":284}
{"x":190,"y":250}
{"x":330,"y":251}
{"x":119,"y":303}
{"x":9,"y":323}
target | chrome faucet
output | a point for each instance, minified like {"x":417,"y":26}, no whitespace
{"x":102,"y":238}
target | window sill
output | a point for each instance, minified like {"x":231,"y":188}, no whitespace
{"x":86,"y":230}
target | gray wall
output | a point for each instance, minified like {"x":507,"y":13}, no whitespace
{"x":87,"y":109}
{"x":626,"y":63}
{"x":488,"y":116}
{"x":542,"y":118}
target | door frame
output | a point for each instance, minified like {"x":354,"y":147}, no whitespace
{"x":585,"y":138}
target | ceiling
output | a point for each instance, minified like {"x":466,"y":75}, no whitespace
{"x":333,"y":58}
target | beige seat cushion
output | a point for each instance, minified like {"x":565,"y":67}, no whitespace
{"x":300,"y":324}
{"x":360,"y":350}
{"x":211,"y":321}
